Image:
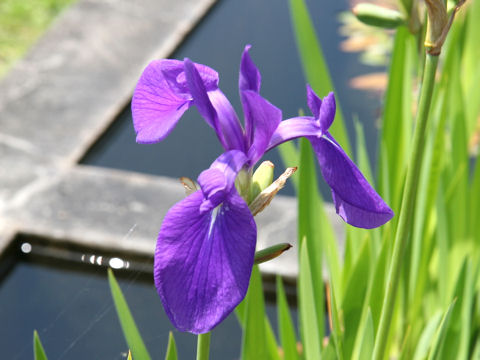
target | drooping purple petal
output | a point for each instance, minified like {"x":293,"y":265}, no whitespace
{"x":156,"y":104}
{"x":224,"y":122}
{"x":264,"y":118}
{"x":218,"y":181}
{"x":355,"y":200}
{"x":302,"y":126}
{"x":203,"y":261}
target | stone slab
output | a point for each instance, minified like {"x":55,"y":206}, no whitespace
{"x":83,"y":71}
{"x":113,"y":209}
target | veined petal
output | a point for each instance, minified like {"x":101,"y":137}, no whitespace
{"x":156,"y":104}
{"x":294,"y":128}
{"x":203,"y":261}
{"x":355,"y":200}
{"x":218,"y":181}
{"x":264,"y":118}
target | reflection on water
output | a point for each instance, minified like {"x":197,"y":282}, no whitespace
{"x":69,"y":303}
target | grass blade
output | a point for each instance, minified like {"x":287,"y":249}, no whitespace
{"x":285,"y":325}
{"x":171,"y":348}
{"x":38,"y":351}
{"x":254,"y":338}
{"x":129,"y":328}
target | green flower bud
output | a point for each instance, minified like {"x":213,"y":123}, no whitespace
{"x":378,"y":16}
{"x":262,"y":178}
{"x":271,"y":252}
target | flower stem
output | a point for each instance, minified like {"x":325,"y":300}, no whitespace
{"x":407,"y":208}
{"x":203,"y":346}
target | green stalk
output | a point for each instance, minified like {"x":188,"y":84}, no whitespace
{"x":407,"y":208}
{"x":203,"y":346}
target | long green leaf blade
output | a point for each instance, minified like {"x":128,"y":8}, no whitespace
{"x":38,"y":351}
{"x":254,"y":337}
{"x":285,"y":324}
{"x":129,"y":328}
{"x":171,"y":348}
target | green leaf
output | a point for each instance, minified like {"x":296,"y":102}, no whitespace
{"x":367,"y":337}
{"x":285,"y":325}
{"x":254,"y":337}
{"x":426,"y":338}
{"x":354,"y":298}
{"x":129,"y":328}
{"x":308,"y":308}
{"x":314,"y":64}
{"x":439,"y":339}
{"x":458,"y":334}
{"x":397,"y":117}
{"x":38,"y":351}
{"x":309,"y":227}
{"x":171,"y":348}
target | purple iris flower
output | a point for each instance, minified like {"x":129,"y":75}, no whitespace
{"x":206,"y":245}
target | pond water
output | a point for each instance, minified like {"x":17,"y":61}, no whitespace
{"x":69,"y":304}
{"x":218,"y":42}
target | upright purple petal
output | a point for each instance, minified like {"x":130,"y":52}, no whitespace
{"x":327,"y":112}
{"x":323,"y":111}
{"x":250,"y":78}
{"x":156,"y":104}
{"x":355,"y":200}
{"x":197,"y":89}
{"x":264,"y":118}
{"x":224,"y":122}
{"x":218,"y":181}
{"x":228,"y":120}
{"x":313,"y":101}
{"x":203,"y":261}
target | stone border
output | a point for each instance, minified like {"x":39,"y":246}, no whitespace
{"x":57,"y":102}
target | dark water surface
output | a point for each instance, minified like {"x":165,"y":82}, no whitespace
{"x":218,"y":42}
{"x":71,"y":308}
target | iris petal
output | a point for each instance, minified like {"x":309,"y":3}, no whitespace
{"x":313,"y":101}
{"x":327,"y":112}
{"x":156,"y":105}
{"x":290,"y":129}
{"x":355,"y":200}
{"x":264,"y":118}
{"x":218,"y":181}
{"x":249,"y":79}
{"x":203,"y":261}
{"x":218,"y":113}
